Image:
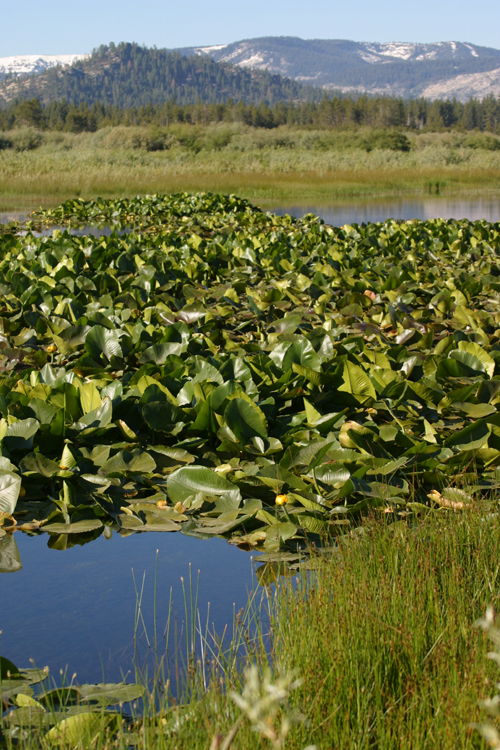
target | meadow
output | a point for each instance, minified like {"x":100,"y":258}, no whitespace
{"x":266,"y":166}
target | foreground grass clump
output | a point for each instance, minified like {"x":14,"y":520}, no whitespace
{"x":380,"y":637}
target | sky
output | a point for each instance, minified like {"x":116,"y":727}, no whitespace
{"x":53,"y":27}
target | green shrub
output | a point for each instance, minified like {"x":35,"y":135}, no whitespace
{"x":26,"y":139}
{"x":154,"y":139}
{"x":191,"y":140}
{"x":5,"y":142}
{"x":388,"y":140}
{"x":482,"y":141}
{"x":217,"y":139}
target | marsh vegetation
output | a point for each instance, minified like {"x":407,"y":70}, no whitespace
{"x":268,"y":166}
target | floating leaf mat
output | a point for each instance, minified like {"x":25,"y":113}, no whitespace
{"x":70,"y":716}
{"x":186,"y":373}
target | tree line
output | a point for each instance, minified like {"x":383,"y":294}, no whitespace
{"x":340,"y":113}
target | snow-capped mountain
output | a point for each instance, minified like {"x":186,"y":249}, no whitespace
{"x":25,"y":64}
{"x":264,"y":52}
{"x":395,"y":68}
{"x":435,"y":71}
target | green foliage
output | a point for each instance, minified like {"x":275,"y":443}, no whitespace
{"x":339,"y":113}
{"x":183,"y":375}
{"x":393,"y":141}
{"x":482,"y":141}
{"x":382,"y":635}
{"x":58,"y":716}
{"x":154,"y":139}
{"x":26,"y":139}
{"x":29,"y":113}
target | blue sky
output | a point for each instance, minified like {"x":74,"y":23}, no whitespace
{"x":76,"y":26}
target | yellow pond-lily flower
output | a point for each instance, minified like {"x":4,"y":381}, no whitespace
{"x":281,"y":499}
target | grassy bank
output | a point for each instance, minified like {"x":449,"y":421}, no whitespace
{"x":275,"y":166}
{"x":381,"y":635}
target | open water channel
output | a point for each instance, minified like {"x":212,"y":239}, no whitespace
{"x":76,"y":608}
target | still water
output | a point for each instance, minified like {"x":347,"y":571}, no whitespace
{"x":77,"y":607}
{"x":105,"y":231}
{"x":357,"y":212}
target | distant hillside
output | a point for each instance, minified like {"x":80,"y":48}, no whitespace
{"x":129,"y":75}
{"x":396,"y":69}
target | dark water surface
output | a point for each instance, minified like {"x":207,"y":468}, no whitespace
{"x":105,"y":231}
{"x":77,"y":607}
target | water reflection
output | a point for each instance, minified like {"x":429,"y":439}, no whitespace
{"x":10,"y":559}
{"x":357,"y":212}
{"x":8,"y":216}
{"x":354,"y":211}
{"x":104,"y":231}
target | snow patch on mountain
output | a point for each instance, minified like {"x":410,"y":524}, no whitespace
{"x":394,"y":50}
{"x":26,"y":64}
{"x":209,"y":50}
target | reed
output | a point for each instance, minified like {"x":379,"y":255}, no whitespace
{"x":381,"y":635}
{"x":264,"y":167}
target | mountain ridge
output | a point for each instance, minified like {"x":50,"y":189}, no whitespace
{"x":265,"y":68}
{"x":404,"y":69}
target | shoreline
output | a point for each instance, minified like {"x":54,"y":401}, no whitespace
{"x":264,"y":189}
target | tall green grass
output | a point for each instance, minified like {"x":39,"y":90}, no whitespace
{"x":382,"y":635}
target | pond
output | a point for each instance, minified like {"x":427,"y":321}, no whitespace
{"x":76,"y":607}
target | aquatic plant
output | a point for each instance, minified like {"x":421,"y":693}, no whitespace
{"x":186,"y":374}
